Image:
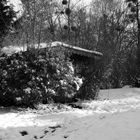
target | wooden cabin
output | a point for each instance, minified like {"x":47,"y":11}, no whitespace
{"x":82,"y":59}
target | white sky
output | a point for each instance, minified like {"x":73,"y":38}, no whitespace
{"x":18,"y":5}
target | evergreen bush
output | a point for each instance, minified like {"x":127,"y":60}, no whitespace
{"x":33,"y":77}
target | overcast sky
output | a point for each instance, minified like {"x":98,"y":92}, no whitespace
{"x":17,"y":3}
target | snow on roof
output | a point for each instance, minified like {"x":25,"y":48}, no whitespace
{"x":74,"y":49}
{"x":77,"y":50}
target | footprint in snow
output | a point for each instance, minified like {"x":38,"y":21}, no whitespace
{"x":23,"y":133}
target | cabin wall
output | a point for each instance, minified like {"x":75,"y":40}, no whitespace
{"x":84,"y":65}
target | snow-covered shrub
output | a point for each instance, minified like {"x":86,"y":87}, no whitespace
{"x":89,"y":89}
{"x":33,"y":77}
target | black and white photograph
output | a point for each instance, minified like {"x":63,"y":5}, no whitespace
{"x":69,"y":69}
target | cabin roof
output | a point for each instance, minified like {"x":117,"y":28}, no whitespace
{"x":77,"y":50}
{"x":70,"y":48}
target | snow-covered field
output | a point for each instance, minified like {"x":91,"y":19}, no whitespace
{"x":115,"y":116}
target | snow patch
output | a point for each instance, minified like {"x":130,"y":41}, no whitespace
{"x":24,"y":119}
{"x":113,"y":106}
{"x":106,"y":106}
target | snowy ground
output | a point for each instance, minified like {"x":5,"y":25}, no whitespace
{"x":115,"y":116}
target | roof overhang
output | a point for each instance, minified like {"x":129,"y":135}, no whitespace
{"x":77,"y":50}
{"x":69,"y":48}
